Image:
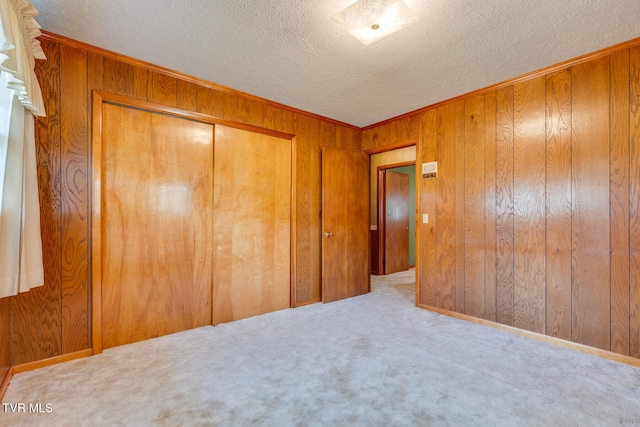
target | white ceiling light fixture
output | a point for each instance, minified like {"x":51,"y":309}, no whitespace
{"x":371,"y":20}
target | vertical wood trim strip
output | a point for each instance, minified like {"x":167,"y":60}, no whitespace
{"x":315,"y":206}
{"x":619,"y":167}
{"x":75,"y":199}
{"x":558,"y":203}
{"x":459,"y":121}
{"x":294,"y":229}
{"x":590,"y":204}
{"x":418,"y":181}
{"x":95,"y":81}
{"x":634,"y":195}
{"x":504,"y":205}
{"x":96,"y":227}
{"x":303,"y":197}
{"x":445,"y":238}
{"x":474,"y":198}
{"x":490,"y":299}
{"x":529,"y":205}
{"x":428,"y":202}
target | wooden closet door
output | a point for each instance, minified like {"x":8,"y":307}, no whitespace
{"x":345,"y":224}
{"x":396,"y":222}
{"x":157,"y":181}
{"x":252,"y":224}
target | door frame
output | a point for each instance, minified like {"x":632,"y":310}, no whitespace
{"x":99,"y":99}
{"x":381,"y":212}
{"x":417,"y":142}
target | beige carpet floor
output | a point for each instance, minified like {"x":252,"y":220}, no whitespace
{"x":373,"y":360}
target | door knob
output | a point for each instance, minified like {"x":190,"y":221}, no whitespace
{"x":406,"y":228}
{"x":327,"y":234}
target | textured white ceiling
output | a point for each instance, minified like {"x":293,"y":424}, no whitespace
{"x":290,"y":51}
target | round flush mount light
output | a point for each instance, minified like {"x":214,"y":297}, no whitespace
{"x":375,"y":27}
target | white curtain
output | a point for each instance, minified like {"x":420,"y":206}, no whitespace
{"x":20,"y":100}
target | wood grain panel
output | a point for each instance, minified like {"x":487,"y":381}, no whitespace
{"x":36,"y":315}
{"x":95,"y":82}
{"x":459,"y":129}
{"x":504,"y":206}
{"x":74,"y":132}
{"x":590,"y":204}
{"x":250,"y":111}
{"x":490,"y":207}
{"x":529,"y":205}
{"x":347,"y":138}
{"x":187,"y":95}
{"x":222,"y":267}
{"x":634,"y":196}
{"x":95,"y":72}
{"x":302,"y":128}
{"x":163,"y":89}
{"x":277,"y":119}
{"x":474,"y":249}
{"x":315,"y":209}
{"x":356,"y":139}
{"x":445,"y":221}
{"x":367,"y":138}
{"x":254,"y":201}
{"x":428,"y":292}
{"x":230,"y":102}
{"x":558,"y":203}
{"x":5,"y":337}
{"x":209,"y":101}
{"x":409,"y":127}
{"x":141,"y":83}
{"x":156,"y":233}
{"x":327,"y":136}
{"x":620,"y":202}
{"x":119,"y":77}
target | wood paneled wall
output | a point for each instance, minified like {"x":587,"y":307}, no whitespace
{"x":536,"y":208}
{"x":55,"y":319}
{"x":5,"y":337}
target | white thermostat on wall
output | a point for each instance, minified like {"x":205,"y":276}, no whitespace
{"x":430,"y":170}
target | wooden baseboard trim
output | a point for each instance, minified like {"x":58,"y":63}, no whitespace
{"x":51,"y":361}
{"x":5,"y":383}
{"x":307,"y":302}
{"x":25,"y":367}
{"x":540,"y":337}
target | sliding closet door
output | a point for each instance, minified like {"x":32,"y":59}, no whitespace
{"x":252,"y":224}
{"x":157,"y":181}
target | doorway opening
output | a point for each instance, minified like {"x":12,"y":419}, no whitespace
{"x":396,"y":224}
{"x":393,"y":209}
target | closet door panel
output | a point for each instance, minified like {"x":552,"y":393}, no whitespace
{"x":157,"y":180}
{"x":252,"y":224}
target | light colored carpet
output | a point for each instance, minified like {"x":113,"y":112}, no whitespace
{"x":373,"y":360}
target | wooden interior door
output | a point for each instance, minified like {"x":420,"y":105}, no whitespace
{"x":345,"y":224}
{"x":252,"y":224}
{"x":156,"y":175}
{"x":396,"y":222}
